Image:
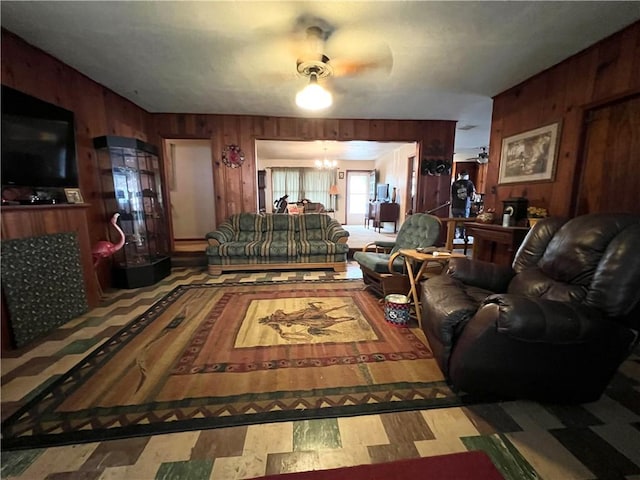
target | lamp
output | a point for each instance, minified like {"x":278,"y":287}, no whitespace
{"x":313,"y":96}
{"x":333,"y":191}
{"x":326,"y":164}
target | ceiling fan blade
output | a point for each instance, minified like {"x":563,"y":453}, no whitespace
{"x":351,"y":68}
{"x":354,"y":51}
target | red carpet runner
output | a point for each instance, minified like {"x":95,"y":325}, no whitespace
{"x":474,"y":465}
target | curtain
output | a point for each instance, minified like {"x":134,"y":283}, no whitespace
{"x":285,"y":181}
{"x":299,"y":183}
{"x":316,"y":184}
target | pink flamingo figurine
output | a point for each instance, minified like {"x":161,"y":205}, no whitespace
{"x":104,"y":249}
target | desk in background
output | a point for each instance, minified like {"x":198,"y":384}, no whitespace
{"x":381,"y":212}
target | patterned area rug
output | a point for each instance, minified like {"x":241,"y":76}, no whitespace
{"x":208,"y":356}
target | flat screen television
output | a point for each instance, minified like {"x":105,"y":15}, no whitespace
{"x":38,"y":143}
{"x":382,"y":193}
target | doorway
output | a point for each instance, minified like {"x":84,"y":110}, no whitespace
{"x":609,"y":180}
{"x":191,"y":195}
{"x":357,"y":196}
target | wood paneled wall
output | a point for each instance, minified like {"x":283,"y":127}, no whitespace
{"x":562,"y":93}
{"x":98,"y":111}
{"x":236,"y":188}
{"x":605,"y":71}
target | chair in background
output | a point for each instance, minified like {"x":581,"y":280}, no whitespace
{"x":313,"y":207}
{"x":383,"y":270}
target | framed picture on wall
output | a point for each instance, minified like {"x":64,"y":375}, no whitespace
{"x":341,"y":175}
{"x":529,"y":156}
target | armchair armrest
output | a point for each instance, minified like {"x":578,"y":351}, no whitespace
{"x":540,"y":320}
{"x":485,"y":275}
{"x":392,"y":258}
{"x":385,"y":245}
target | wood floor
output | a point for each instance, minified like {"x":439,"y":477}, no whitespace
{"x":526,"y":440}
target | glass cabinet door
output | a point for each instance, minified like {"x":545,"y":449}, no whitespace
{"x":131,"y":184}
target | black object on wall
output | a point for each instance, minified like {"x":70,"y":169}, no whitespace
{"x":38,"y":143}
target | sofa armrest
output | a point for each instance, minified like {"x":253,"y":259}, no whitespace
{"x":540,"y":320}
{"x":336,"y":233}
{"x":485,"y":275}
{"x":223,"y":234}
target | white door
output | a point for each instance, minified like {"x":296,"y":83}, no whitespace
{"x":357,"y":197}
{"x":191,"y":189}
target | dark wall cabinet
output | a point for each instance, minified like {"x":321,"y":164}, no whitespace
{"x":131,"y":185}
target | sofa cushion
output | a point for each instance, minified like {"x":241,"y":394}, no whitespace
{"x":279,"y":223}
{"x":313,"y":226}
{"x":321,"y":247}
{"x":247,"y":227}
{"x":278,"y":248}
{"x":236,"y":249}
{"x":378,"y":262}
{"x":279,"y":236}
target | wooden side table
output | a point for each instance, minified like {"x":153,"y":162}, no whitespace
{"x":495,"y":243}
{"x":410,"y":256}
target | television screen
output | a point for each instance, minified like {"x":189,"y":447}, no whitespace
{"x":38,"y":143}
{"x":383,"y":192}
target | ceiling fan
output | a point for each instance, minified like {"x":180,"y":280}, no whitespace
{"x":481,"y":158}
{"x":330,"y":51}
{"x":313,"y":44}
{"x":313,"y":62}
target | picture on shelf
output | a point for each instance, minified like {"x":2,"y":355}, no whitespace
{"x":73,"y":195}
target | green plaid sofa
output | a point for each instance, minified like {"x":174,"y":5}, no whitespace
{"x":255,"y":241}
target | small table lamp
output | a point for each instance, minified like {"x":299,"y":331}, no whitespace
{"x":333,"y":191}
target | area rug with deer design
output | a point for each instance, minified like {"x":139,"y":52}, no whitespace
{"x":208,"y":356}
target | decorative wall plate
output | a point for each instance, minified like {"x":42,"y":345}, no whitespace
{"x":232,"y":156}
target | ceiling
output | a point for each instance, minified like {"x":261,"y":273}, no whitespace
{"x":318,"y":150}
{"x":422,"y":60}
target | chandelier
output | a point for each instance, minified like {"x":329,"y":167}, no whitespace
{"x":326,"y":164}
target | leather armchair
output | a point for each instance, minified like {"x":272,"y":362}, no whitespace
{"x":554,"y":326}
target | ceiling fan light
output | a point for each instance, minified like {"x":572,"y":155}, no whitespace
{"x":313,"y":96}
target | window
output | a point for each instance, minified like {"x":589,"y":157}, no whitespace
{"x":300,"y":183}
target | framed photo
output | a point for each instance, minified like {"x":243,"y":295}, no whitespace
{"x":529,"y":156}
{"x":341,"y":175}
{"x":73,"y":195}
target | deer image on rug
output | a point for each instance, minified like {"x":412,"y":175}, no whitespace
{"x":313,"y":318}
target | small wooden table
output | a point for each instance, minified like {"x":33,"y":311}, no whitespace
{"x":495,"y":243}
{"x":411,"y":255}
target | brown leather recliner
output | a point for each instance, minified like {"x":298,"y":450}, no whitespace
{"x":553,"y":327}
